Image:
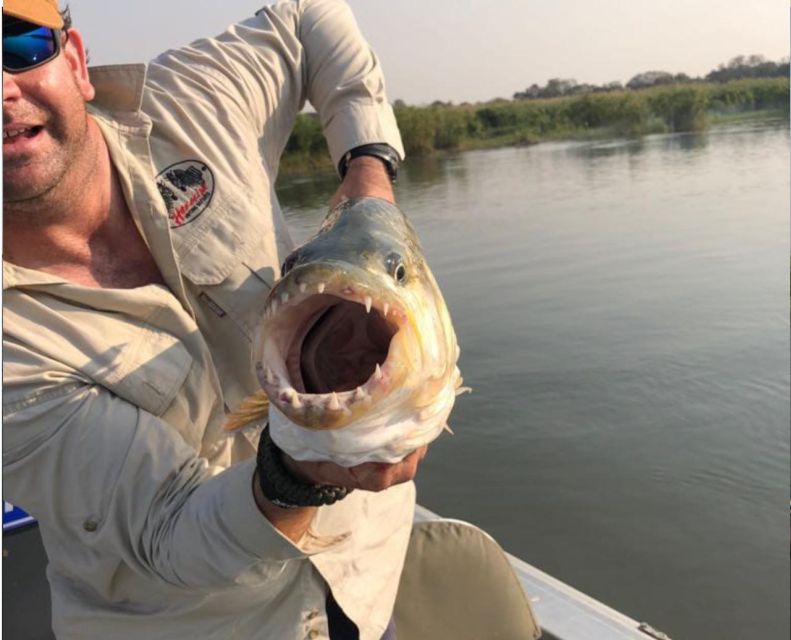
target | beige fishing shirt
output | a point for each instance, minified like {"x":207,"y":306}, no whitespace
{"x":114,"y":399}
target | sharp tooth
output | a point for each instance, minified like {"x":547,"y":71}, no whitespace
{"x":291,"y":396}
{"x":448,"y":429}
{"x":303,"y":287}
{"x":270,"y":376}
{"x":386,"y":308}
{"x":359,"y":394}
{"x":334,"y":403}
{"x":320,"y":287}
{"x":284,"y":298}
{"x":378,"y":375}
{"x":368,"y":303}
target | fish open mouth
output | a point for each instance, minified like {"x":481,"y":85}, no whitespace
{"x":326,"y":347}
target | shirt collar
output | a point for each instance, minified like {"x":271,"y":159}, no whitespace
{"x":119,"y":87}
{"x":15,"y":276}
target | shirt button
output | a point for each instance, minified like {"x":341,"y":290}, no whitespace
{"x":313,"y":634}
{"x":90,"y":525}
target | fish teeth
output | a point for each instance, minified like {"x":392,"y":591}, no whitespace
{"x":378,"y":375}
{"x":303,"y":287}
{"x":292,"y":397}
{"x":321,"y":286}
{"x":368,"y":302}
{"x":284,"y":297}
{"x":448,"y":429}
{"x":359,"y":394}
{"x":334,"y":404}
{"x":270,"y":376}
{"x":386,"y":308}
{"x":273,"y":306}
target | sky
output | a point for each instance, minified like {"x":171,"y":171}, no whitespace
{"x":476,"y":50}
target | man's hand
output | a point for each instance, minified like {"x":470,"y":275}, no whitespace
{"x":369,"y":476}
{"x":366,"y":176}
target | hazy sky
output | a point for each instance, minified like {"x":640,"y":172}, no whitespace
{"x":476,"y":50}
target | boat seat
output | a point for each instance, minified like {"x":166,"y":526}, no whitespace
{"x":457,"y":584}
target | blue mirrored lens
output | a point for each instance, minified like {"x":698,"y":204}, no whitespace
{"x":29,"y":48}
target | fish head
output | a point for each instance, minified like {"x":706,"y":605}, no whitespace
{"x":356,"y":330}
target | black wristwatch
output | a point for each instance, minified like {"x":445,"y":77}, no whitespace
{"x":284,"y":490}
{"x":384,"y":152}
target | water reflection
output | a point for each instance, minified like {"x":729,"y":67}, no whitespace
{"x":622,"y":311}
{"x":307,"y":192}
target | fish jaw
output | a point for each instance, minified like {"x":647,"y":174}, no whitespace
{"x":358,"y":363}
{"x":293,"y":306}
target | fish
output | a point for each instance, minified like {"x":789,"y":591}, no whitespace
{"x":356,"y":352}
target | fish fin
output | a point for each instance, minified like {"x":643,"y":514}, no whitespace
{"x":461,"y":390}
{"x":254,"y":407}
{"x":448,"y":429}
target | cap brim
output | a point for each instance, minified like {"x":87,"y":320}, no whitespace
{"x":44,"y":14}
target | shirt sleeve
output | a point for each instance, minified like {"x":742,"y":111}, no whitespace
{"x":263,"y":70}
{"x":102,"y":474}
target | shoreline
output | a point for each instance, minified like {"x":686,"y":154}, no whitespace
{"x":302,"y":164}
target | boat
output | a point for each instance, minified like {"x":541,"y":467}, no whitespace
{"x":559,"y":611}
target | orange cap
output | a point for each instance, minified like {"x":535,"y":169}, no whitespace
{"x":42,"y":12}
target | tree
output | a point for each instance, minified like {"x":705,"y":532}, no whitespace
{"x":650,"y":79}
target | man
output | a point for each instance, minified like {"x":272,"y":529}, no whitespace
{"x":141,"y":236}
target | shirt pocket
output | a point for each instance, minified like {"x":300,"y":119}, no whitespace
{"x":232,"y":263}
{"x":91,"y":334}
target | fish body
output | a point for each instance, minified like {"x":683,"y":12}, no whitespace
{"x":356,"y":350}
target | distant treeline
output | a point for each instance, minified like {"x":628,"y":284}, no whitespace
{"x":680,"y":105}
{"x":739,"y":68}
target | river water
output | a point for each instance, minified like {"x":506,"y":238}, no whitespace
{"x":622,"y":308}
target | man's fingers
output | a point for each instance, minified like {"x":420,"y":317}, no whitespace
{"x":369,"y":476}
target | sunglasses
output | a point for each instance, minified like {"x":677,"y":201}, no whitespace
{"x":27,"y":46}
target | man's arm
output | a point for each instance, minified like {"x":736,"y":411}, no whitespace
{"x":366,"y":176}
{"x":118,"y":479}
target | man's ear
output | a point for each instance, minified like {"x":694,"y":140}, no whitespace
{"x":77,"y":59}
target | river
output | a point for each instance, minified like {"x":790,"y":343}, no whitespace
{"x":622,"y":308}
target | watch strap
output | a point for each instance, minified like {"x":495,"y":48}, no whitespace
{"x":383,"y":151}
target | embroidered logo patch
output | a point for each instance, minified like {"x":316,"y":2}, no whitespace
{"x":187,"y":188}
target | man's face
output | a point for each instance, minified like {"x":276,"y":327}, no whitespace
{"x":44,"y":122}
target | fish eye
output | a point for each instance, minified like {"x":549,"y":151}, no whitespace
{"x":396,"y":267}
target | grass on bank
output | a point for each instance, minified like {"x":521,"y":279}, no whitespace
{"x":630,"y":113}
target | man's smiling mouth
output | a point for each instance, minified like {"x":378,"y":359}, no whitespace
{"x":12,"y":133}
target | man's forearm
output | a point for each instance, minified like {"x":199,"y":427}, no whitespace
{"x":366,"y":176}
